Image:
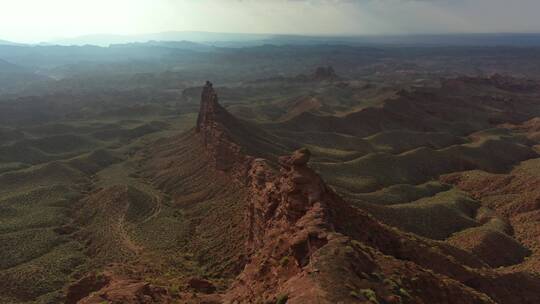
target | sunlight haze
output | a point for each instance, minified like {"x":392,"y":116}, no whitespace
{"x":37,"y":21}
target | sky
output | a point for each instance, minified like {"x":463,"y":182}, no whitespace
{"x":33,"y":21}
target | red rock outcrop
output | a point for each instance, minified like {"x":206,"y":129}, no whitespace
{"x":107,"y":287}
{"x":213,"y":124}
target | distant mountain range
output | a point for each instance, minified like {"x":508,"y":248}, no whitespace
{"x":201,"y":40}
{"x":183,"y":44}
{"x":5,"y":42}
{"x":200,"y":37}
{"x":239,"y":39}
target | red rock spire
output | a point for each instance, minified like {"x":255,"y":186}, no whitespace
{"x":209,"y":103}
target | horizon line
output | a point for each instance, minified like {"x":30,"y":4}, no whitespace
{"x":300,"y":35}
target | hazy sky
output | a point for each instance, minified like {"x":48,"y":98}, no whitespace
{"x":41,"y":20}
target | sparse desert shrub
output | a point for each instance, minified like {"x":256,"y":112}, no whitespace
{"x":404,"y":293}
{"x":174,"y":290}
{"x":392,"y":284}
{"x":282,"y":299}
{"x":284,"y":261}
{"x":377,"y":276}
{"x":370,"y":295}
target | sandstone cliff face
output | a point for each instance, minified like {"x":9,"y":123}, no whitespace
{"x":287,"y":223}
{"x":279,"y":201}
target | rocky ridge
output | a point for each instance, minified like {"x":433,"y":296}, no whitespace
{"x":307,"y":245}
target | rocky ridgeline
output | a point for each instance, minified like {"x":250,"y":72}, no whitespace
{"x":299,"y":248}
{"x":304,"y":244}
{"x":286,"y":215}
{"x":281,"y":200}
{"x":307,"y":245}
{"x":287,"y":219}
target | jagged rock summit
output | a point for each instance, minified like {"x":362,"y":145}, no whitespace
{"x":209,"y":106}
{"x":213,"y":126}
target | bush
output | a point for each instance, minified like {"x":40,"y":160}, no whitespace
{"x":282,"y":299}
{"x":404,"y":293}
{"x":370,"y":295}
